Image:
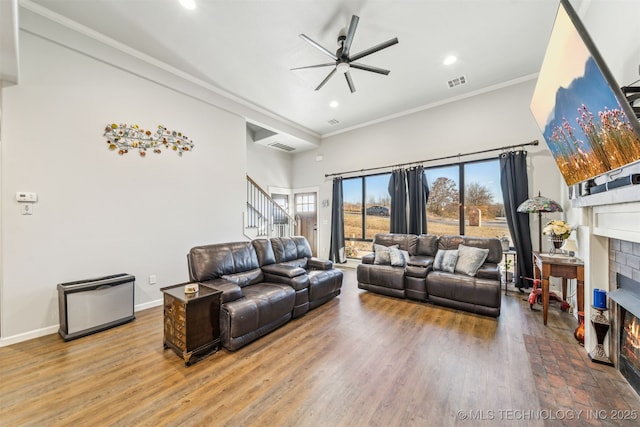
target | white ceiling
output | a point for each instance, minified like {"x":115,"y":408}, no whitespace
{"x":247,"y":47}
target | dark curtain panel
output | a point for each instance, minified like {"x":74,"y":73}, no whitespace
{"x":336,"y":248}
{"x":418,"y":192}
{"x":515,"y":190}
{"x":398,"y":193}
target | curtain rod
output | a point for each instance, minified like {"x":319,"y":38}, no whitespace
{"x":508,"y":147}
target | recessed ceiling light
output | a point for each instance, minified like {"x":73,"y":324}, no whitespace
{"x":451,"y":59}
{"x":188,"y":4}
{"x":334,"y":104}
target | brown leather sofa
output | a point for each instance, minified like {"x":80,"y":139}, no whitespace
{"x":262,"y":288}
{"x":478,"y":293}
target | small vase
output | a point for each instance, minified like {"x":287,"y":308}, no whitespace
{"x":556,"y":244}
{"x":579,"y":332}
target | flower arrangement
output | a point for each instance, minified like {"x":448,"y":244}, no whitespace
{"x":351,"y":251}
{"x":124,"y":137}
{"x":557,"y":229}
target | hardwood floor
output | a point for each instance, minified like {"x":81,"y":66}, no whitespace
{"x":360,"y":360}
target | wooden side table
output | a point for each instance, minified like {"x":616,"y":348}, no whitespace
{"x":191,"y":322}
{"x":545,"y":266}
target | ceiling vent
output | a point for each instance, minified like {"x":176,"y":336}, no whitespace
{"x":282,"y":147}
{"x":333,"y":122}
{"x":458,"y":81}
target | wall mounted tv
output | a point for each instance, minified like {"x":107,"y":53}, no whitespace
{"x":584,"y":117}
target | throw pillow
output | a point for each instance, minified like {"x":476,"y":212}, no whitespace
{"x":470,"y":259}
{"x":445,"y":260}
{"x":382,"y":254}
{"x":397,"y":257}
{"x":405,"y":254}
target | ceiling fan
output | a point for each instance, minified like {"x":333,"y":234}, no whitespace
{"x":342,"y":60}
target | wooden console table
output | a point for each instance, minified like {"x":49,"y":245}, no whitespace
{"x":545,"y":266}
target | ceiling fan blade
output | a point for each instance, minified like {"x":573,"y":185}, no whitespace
{"x":369,"y":68}
{"x":350,"y":33}
{"x":319,"y":47}
{"x":352,"y":87}
{"x":314,"y":66}
{"x":326,"y":79}
{"x":374,"y":49}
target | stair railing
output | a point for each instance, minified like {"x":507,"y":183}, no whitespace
{"x":264,"y":216}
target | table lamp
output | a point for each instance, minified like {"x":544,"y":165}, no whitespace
{"x":539,"y":205}
{"x":570,"y":246}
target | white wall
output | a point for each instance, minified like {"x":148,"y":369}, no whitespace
{"x":100,"y":213}
{"x":491,"y":120}
{"x":268,"y":166}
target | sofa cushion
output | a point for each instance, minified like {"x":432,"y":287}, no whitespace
{"x":406,"y":242}
{"x":290,"y":248}
{"x":446,"y":260}
{"x":303,"y":247}
{"x":470,"y":259}
{"x":213,"y":261}
{"x":427,"y":245}
{"x":264,"y":251}
{"x":382,"y":255}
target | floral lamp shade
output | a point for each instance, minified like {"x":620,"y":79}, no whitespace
{"x":539,"y":204}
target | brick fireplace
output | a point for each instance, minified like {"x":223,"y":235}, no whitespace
{"x":624,"y":300}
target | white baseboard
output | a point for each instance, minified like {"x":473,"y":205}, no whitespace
{"x":147,"y":305}
{"x":29,"y":335}
{"x":37,"y":333}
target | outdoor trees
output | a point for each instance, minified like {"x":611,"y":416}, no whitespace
{"x":477,"y":194}
{"x":443,"y":197}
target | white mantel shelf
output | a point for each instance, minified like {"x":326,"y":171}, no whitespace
{"x":626,"y":194}
{"x":618,"y":221}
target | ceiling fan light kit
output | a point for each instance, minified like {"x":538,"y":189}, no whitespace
{"x":342,"y":61}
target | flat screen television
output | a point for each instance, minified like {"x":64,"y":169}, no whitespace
{"x":585,"y":119}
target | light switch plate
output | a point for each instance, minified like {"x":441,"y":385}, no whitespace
{"x":26,"y":196}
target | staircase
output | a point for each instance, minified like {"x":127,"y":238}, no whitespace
{"x":264,"y":217}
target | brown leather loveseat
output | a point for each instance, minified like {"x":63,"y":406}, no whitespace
{"x":455,"y":271}
{"x":264,"y":283}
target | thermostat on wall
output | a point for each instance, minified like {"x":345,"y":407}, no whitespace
{"x":25,"y":196}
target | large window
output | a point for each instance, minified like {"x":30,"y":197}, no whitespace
{"x":367,"y":206}
{"x":464,"y":198}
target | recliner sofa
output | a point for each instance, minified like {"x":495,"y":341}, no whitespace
{"x":262,"y":288}
{"x":418,"y":280}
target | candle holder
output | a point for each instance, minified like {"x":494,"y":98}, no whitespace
{"x":601,"y":325}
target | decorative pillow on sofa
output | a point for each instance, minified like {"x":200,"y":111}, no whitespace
{"x":445,"y":260}
{"x":470,"y":259}
{"x":398,"y":257}
{"x":382,"y":254}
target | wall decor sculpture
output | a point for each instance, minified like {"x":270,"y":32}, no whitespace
{"x":124,"y":137}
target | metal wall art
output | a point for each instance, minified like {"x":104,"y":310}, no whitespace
{"x":124,"y":137}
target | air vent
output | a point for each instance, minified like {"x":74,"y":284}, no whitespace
{"x":458,"y":81}
{"x":333,"y":122}
{"x":281,"y":146}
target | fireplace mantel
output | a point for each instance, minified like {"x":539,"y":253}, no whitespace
{"x":618,"y":221}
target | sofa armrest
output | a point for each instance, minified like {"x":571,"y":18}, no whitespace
{"x":368,"y":258}
{"x":420,"y":261}
{"x":319,"y":264}
{"x":283,"y":270}
{"x":286,"y":274}
{"x":230,"y":291}
{"x":489,"y":270}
